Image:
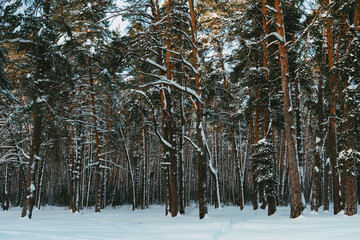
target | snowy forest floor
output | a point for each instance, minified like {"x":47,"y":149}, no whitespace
{"x":227,"y":223}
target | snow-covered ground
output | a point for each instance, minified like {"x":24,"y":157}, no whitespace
{"x":228,"y":223}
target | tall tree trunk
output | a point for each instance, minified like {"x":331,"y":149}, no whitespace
{"x":282,"y":166}
{"x":252,"y":141}
{"x":296,"y":203}
{"x":21,"y":186}
{"x":235,"y":153}
{"x":168,"y":127}
{"x":30,"y":191}
{"x":127,"y":155}
{"x":332,"y":144}
{"x":351,"y":198}
{"x":97,"y":142}
{"x":201,"y":155}
{"x":6,"y":190}
{"x":357,"y":16}
{"x":315,"y":196}
{"x":40,"y":181}
{"x":72,"y":160}
{"x":182,"y":129}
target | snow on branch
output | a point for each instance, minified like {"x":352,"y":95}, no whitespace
{"x":190,"y":65}
{"x":140,"y":93}
{"x":212,"y":169}
{"x":14,"y":40}
{"x":308,"y":27}
{"x":162,"y":140}
{"x":148,"y":60}
{"x":194,"y":144}
{"x":280,"y":38}
{"x":275,"y":34}
{"x":9,"y":95}
{"x":271,"y":9}
{"x":167,"y":82}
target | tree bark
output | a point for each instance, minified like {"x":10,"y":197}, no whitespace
{"x":97,"y":142}
{"x":351,"y":198}
{"x":296,"y":203}
{"x":6,"y":190}
{"x":30,"y":191}
{"x":182,"y":129}
{"x":357,"y":16}
{"x":235,"y":153}
{"x":332,"y":143}
{"x":201,"y":155}
{"x":315,"y":196}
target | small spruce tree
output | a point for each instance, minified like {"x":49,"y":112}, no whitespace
{"x":262,"y":165}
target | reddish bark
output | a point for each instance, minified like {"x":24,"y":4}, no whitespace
{"x":296,"y":193}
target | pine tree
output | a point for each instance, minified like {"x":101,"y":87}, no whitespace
{"x":348,"y":161}
{"x":262,"y":164}
{"x":296,"y":202}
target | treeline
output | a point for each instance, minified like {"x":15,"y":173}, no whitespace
{"x":213,"y":102}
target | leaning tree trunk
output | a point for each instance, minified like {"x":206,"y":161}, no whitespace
{"x":296,"y":203}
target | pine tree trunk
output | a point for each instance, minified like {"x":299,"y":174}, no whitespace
{"x":351,"y":198}
{"x":40,"y":180}
{"x":170,"y":125}
{"x":21,"y":185}
{"x":253,"y":177}
{"x":130,"y":168}
{"x":281,"y":165}
{"x":235,"y":155}
{"x":296,"y":193}
{"x":72,"y":165}
{"x":315,"y":197}
{"x":332,"y":145}
{"x":201,"y":155}
{"x":357,"y":16}
{"x":182,"y":129}
{"x":271,"y":205}
{"x":97,"y":142}
{"x":6,"y":191}
{"x":30,"y":191}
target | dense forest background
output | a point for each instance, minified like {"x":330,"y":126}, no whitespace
{"x":214,"y":102}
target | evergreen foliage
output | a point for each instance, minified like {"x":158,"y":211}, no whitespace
{"x":94,"y":117}
{"x":262,"y":165}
